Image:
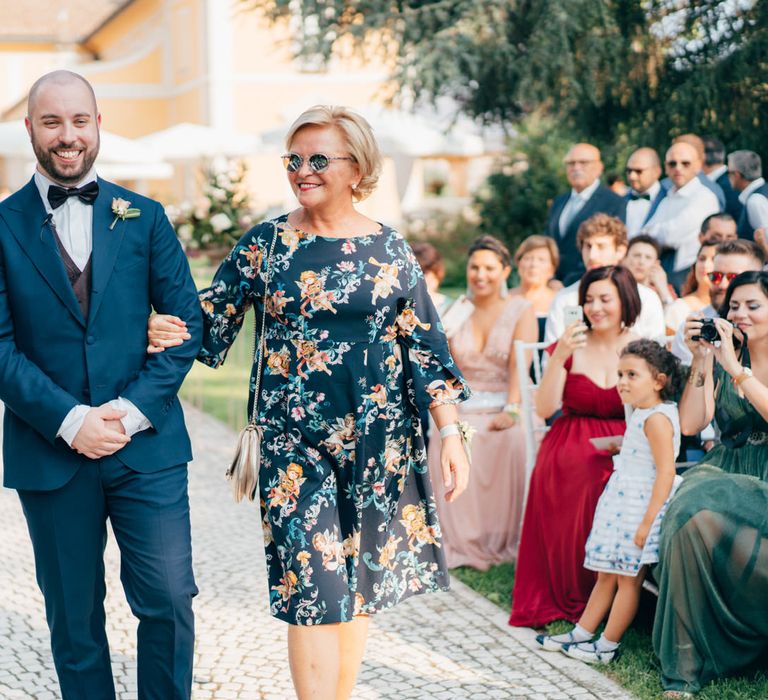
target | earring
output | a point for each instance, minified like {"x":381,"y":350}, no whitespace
{"x":354,"y":186}
{"x":503,"y":290}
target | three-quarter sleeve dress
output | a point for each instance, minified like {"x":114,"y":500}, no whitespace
{"x":354,"y":348}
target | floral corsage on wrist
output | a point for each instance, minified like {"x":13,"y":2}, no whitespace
{"x":122,"y":210}
{"x":465,"y":431}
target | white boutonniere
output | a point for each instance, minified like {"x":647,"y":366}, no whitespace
{"x":122,"y":210}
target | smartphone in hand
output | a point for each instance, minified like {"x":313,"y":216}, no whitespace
{"x":572,"y":314}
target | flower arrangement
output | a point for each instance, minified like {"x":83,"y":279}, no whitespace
{"x":220,"y":216}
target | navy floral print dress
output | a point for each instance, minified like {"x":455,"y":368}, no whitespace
{"x":354,"y":349}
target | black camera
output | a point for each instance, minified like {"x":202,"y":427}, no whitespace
{"x":708,"y":331}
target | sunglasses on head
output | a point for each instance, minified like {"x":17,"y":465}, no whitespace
{"x":717,"y":277}
{"x":681,"y":163}
{"x":317,"y":161}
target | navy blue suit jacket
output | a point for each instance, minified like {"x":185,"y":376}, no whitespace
{"x":51,"y":358}
{"x":733,"y":205}
{"x":604,"y":201}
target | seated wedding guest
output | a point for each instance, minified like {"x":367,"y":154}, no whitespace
{"x":718,"y":227}
{"x":717,"y":171}
{"x":745,"y":170}
{"x":677,"y":220}
{"x":643,"y":260}
{"x":713,"y":571}
{"x":536,"y":260}
{"x":643,"y":173}
{"x":698,"y":143}
{"x":583,"y":168}
{"x":431,"y":262}
{"x":484,"y":527}
{"x":731,"y":259}
{"x":695,"y":290}
{"x":602,"y":240}
{"x":551,"y":582}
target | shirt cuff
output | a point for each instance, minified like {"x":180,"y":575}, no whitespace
{"x":134,"y":421}
{"x":72,"y":423}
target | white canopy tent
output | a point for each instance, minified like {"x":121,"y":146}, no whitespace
{"x":119,"y":158}
{"x":185,"y":142}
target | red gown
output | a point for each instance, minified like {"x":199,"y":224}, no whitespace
{"x":566,"y":483}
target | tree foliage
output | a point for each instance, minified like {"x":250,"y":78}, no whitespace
{"x":612,"y":70}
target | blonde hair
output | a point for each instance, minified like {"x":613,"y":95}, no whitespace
{"x":537,"y":242}
{"x":358,"y":136}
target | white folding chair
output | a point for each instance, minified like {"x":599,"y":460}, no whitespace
{"x":533,"y":429}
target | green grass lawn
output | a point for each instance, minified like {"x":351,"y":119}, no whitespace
{"x":223,"y":393}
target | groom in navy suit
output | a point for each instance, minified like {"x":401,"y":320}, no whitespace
{"x":583,"y":167}
{"x":93,"y":429}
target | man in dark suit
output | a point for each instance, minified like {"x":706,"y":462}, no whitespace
{"x":93,"y":429}
{"x":643,"y":173}
{"x":717,"y":171}
{"x":583,"y":167}
{"x":745,"y":169}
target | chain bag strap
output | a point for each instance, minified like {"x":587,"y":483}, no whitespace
{"x":244,"y":470}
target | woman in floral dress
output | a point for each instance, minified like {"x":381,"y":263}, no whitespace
{"x":354,"y":348}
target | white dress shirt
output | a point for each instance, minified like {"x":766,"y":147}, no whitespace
{"x":677,"y":221}
{"x":649,"y":324}
{"x":756,"y":204}
{"x":574,"y":205}
{"x":637,"y":209}
{"x":74,"y":226}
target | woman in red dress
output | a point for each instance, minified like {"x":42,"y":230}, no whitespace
{"x":566,"y":483}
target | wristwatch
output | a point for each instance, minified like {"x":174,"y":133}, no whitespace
{"x":746,"y":373}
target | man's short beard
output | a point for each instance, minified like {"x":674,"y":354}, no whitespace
{"x":45,"y":158}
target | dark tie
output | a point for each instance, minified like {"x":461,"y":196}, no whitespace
{"x":633,"y":196}
{"x":86,"y":194}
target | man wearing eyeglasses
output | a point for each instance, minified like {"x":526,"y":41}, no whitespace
{"x":583,"y":168}
{"x":643,"y":172}
{"x":731,"y":259}
{"x":745,"y":171}
{"x":677,"y":221}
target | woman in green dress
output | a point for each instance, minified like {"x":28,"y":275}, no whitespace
{"x":712,"y":616}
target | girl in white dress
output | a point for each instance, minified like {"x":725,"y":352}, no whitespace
{"x":625,"y":531}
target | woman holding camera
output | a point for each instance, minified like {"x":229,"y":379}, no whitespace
{"x":712,"y":618}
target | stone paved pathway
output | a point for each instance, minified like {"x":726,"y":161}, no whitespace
{"x":453,"y":646}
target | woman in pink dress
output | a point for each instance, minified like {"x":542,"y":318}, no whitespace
{"x":483,"y":528}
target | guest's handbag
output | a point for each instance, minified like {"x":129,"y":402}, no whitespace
{"x":244,"y":471}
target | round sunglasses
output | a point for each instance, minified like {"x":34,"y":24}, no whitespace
{"x":318,"y":162}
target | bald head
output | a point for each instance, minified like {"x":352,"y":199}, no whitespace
{"x":682,"y":163}
{"x":583,"y":166}
{"x":696,"y":141}
{"x":643,"y":169}
{"x":63,"y":126}
{"x":59,"y":78}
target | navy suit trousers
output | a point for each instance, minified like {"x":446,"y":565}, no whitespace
{"x":149,"y":514}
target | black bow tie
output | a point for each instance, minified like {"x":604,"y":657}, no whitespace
{"x":86,"y":194}
{"x":633,"y":196}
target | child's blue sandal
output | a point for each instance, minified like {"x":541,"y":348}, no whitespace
{"x":550,"y":642}
{"x":590,"y":654}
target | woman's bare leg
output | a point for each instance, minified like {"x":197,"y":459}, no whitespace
{"x":352,"y":639}
{"x":313,"y":655}
{"x":325,"y":659}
